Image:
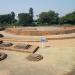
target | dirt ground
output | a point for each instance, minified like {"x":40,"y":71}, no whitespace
{"x":47,"y":30}
{"x":58,"y":59}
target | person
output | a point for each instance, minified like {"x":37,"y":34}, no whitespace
{"x":43,"y":41}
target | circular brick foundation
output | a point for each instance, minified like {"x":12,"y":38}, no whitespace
{"x":40,"y":31}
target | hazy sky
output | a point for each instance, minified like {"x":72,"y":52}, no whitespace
{"x":60,"y":6}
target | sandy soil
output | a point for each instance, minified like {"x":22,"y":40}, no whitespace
{"x":58,"y":59}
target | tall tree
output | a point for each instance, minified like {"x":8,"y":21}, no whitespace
{"x":13,"y":17}
{"x":24,"y":19}
{"x":31,"y":14}
{"x":5,"y":19}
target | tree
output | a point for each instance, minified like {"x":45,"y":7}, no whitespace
{"x":49,"y":17}
{"x":24,"y":19}
{"x":68,"y":18}
{"x":13,"y":17}
{"x":31,"y":14}
{"x":7,"y":19}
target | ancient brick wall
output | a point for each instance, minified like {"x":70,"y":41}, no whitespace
{"x":31,"y":31}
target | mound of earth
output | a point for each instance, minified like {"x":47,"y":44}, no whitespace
{"x":1,"y":41}
{"x":1,"y":35}
{"x":23,"y":46}
{"x":35,"y":57}
{"x":2,"y":56}
{"x":5,"y":44}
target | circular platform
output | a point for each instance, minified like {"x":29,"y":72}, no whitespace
{"x":41,"y":31}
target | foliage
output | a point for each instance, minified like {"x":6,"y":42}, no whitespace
{"x":13,"y":17}
{"x":44,"y":19}
{"x":68,"y":18}
{"x":49,"y":17}
{"x":24,"y":19}
{"x":7,"y":19}
{"x":31,"y":12}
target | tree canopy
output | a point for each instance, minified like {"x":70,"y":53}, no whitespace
{"x":44,"y":18}
{"x":68,"y":18}
{"x":49,"y":17}
{"x":7,"y":18}
{"x":25,"y":19}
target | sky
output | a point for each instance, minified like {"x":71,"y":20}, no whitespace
{"x":22,"y":6}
